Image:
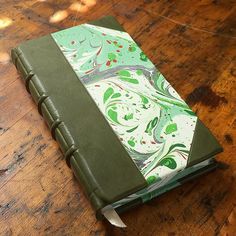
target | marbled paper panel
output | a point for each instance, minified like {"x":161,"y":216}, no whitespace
{"x":151,"y":120}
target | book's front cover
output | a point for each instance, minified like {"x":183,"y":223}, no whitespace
{"x":156,"y":126}
{"x":113,"y":113}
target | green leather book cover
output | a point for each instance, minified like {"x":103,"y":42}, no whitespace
{"x":121,"y":126}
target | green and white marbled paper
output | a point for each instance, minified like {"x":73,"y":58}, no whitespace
{"x":151,"y":120}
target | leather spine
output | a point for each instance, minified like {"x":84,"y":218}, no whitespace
{"x":57,"y":127}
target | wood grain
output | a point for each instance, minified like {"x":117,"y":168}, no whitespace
{"x":193,"y":43}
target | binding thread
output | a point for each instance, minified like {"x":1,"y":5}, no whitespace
{"x":27,"y":80}
{"x":40,"y":101}
{"x":69,"y":153}
{"x":53,"y":127}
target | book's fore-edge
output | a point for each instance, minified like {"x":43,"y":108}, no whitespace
{"x":108,"y":179}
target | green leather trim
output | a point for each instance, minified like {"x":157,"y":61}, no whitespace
{"x":103,"y":161}
{"x":204,"y":145}
{"x":108,"y":22}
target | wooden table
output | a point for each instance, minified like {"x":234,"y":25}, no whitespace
{"x":194,"y":44}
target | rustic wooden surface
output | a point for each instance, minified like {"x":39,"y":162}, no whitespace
{"x":194,"y":44}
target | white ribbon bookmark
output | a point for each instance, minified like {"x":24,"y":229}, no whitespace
{"x":111,"y":215}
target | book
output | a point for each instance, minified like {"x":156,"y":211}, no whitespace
{"x":124,"y":130}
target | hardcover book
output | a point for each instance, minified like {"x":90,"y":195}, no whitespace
{"x":123,"y":129}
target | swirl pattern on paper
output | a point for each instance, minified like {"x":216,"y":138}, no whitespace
{"x":151,"y":120}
